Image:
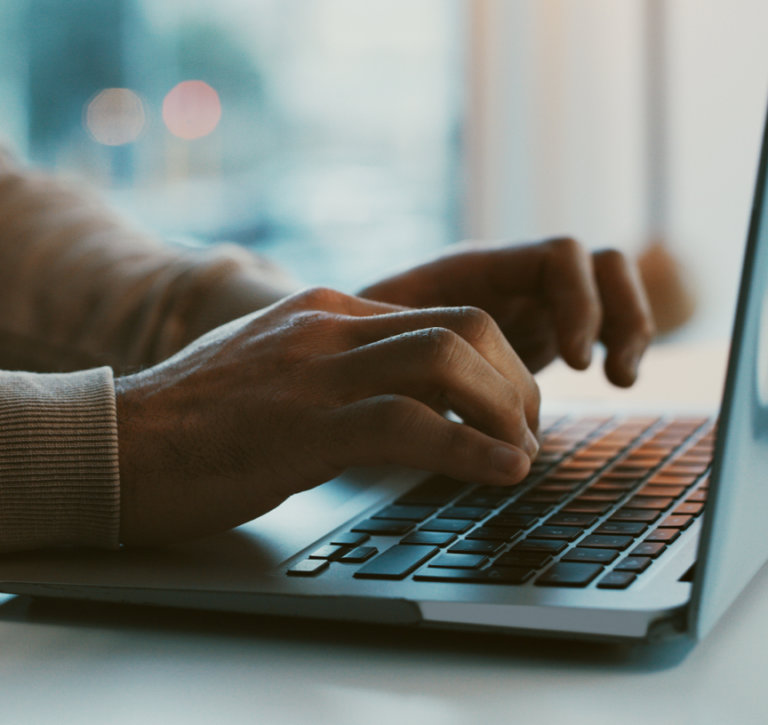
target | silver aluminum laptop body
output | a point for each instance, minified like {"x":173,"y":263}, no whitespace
{"x":245,"y":570}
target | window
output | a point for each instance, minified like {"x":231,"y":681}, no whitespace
{"x":324,"y":133}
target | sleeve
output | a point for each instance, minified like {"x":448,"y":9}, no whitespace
{"x":80,"y":287}
{"x":59,"y":480}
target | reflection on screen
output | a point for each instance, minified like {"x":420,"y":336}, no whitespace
{"x":762,"y":355}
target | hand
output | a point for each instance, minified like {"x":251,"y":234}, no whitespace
{"x":286,"y":398}
{"x":549,"y":298}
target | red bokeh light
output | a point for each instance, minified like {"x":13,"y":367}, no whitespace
{"x":191,"y":109}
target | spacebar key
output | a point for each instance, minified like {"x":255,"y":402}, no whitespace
{"x":396,"y":562}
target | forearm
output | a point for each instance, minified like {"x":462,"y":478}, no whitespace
{"x":80,"y":287}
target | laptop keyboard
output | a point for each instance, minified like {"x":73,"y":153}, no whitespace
{"x":603,"y":501}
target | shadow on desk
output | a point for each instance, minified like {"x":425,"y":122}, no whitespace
{"x":352,"y":639}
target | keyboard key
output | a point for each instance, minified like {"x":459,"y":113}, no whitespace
{"x":616,"y":580}
{"x":435,"y":491}
{"x":396,"y":562}
{"x":349,"y":539}
{"x":567,"y":533}
{"x":626,"y":528}
{"x":652,"y":549}
{"x":665,"y":535}
{"x":569,"y":575}
{"x":587,"y":507}
{"x":594,"y":556}
{"x":459,"y":561}
{"x":645,"y":515}
{"x":693,"y":509}
{"x":564,"y":519}
{"x":607,"y":484}
{"x":475,"y":547}
{"x":645,"y":460}
{"x":695,"y":454}
{"x":620,"y":476}
{"x":653,"y":490}
{"x":634,"y":563}
{"x":690,"y":469}
{"x":454,"y":526}
{"x":527,"y":559}
{"x":495,"y":533}
{"x":405,"y":513}
{"x":329,"y":551}
{"x":650,"y":502}
{"x":308,"y":567}
{"x":507,"y":575}
{"x":537,"y":509}
{"x":483,"y":500}
{"x":600,"y":496}
{"x":604,"y":541}
{"x":549,"y":546}
{"x":472,"y":513}
{"x":522,"y":521}
{"x":538,"y":496}
{"x":484,"y":576}
{"x":574,"y":477}
{"x":562,"y":487}
{"x":699,"y":496}
{"x":677,"y":521}
{"x":631,"y":470}
{"x":664,"y":479}
{"x":359,"y":554}
{"x":381,"y":527}
{"x":429,"y":538}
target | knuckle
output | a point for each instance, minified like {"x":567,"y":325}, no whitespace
{"x":611,"y":258}
{"x":396,"y":413}
{"x":458,"y":443}
{"x":316,"y":321}
{"x":534,"y":393}
{"x":567,"y":247}
{"x":438,"y":343}
{"x":646,"y":329}
{"x":534,"y":405}
{"x":320,"y":297}
{"x":316,"y":330}
{"x":473,"y":322}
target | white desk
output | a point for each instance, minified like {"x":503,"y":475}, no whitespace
{"x":83,"y":663}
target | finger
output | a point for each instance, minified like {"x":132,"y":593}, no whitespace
{"x":436,"y":364}
{"x":571,"y":290}
{"x":473,"y":325}
{"x":393,"y":429}
{"x":331,"y":300}
{"x":627,"y":321}
{"x":557,"y":272}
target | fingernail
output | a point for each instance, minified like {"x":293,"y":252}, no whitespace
{"x":531,"y":444}
{"x":507,"y":460}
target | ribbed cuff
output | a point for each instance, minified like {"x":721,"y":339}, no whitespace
{"x":59,"y":477}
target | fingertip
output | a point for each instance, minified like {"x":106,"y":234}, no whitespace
{"x":578,"y":354}
{"x":510,"y":463}
{"x":621,"y":368}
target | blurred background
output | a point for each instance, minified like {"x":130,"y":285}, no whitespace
{"x":346,"y":139}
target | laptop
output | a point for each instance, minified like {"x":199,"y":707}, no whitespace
{"x":627,"y":528}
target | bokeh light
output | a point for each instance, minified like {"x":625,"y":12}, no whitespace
{"x":191,"y":110}
{"x":115,"y":116}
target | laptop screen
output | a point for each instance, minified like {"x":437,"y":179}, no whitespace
{"x":734,"y":540}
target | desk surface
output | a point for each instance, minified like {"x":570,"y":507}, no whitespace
{"x":87,"y":663}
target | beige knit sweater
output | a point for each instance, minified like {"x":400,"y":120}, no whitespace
{"x":82,"y":293}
